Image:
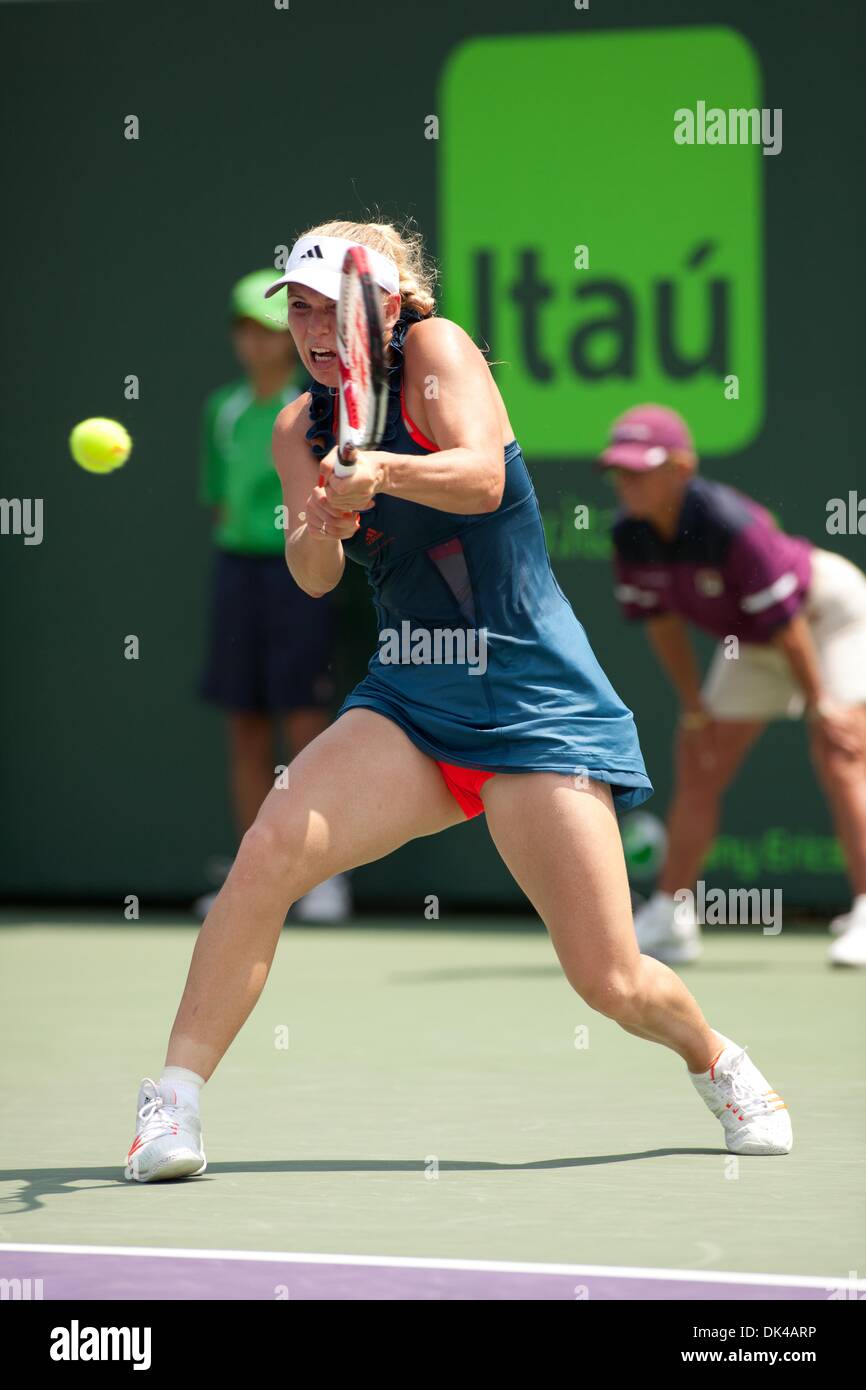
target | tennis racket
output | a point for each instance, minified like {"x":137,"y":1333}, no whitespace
{"x":360,"y":360}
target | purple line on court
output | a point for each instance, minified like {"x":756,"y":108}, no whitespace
{"x":117,"y":1276}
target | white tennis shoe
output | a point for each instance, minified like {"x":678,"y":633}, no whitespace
{"x":754,"y":1117}
{"x":849,"y":947}
{"x":667,"y":930}
{"x":856,"y":916}
{"x":168,"y":1139}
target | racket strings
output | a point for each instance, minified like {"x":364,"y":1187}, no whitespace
{"x":363,"y":379}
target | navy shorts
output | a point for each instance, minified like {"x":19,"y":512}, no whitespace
{"x":270,"y":646}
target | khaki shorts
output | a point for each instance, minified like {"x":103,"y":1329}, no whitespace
{"x":758,"y":684}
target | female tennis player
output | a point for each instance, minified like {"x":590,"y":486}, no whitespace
{"x":445,"y":521}
{"x":692,"y":551}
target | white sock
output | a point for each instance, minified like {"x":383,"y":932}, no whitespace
{"x":859,"y":903}
{"x":186,"y":1083}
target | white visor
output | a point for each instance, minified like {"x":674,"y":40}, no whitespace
{"x":317,"y":261}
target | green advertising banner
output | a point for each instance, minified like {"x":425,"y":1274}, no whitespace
{"x":600,"y":260}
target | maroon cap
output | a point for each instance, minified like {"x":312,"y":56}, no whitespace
{"x":641,"y":438}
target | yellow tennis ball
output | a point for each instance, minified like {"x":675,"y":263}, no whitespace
{"x":100,"y":446}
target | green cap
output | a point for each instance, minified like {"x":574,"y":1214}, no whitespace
{"x":248,"y":301}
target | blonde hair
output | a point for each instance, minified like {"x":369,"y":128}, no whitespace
{"x":406,"y":249}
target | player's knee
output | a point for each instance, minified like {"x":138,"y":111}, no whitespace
{"x":613,"y":993}
{"x":267,"y":850}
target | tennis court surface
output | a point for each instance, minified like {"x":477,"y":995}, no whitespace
{"x":427,"y":1113}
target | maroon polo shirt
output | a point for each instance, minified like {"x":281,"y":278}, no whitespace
{"x":728,"y":569}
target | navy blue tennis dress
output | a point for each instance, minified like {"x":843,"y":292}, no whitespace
{"x":530,"y":695}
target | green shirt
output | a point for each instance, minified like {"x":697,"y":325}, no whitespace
{"x":237,"y":470}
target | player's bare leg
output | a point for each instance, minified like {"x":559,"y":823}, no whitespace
{"x":354,"y":794}
{"x":562,"y":844}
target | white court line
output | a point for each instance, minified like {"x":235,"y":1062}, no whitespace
{"x":697,"y":1276}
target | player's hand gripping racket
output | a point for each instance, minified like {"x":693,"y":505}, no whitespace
{"x":361,"y":361}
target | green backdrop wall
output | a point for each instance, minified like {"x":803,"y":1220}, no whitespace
{"x":118,"y":256}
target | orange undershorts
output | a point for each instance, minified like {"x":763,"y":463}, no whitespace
{"x":464,"y":784}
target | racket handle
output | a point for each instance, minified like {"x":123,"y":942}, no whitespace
{"x":343,"y":468}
